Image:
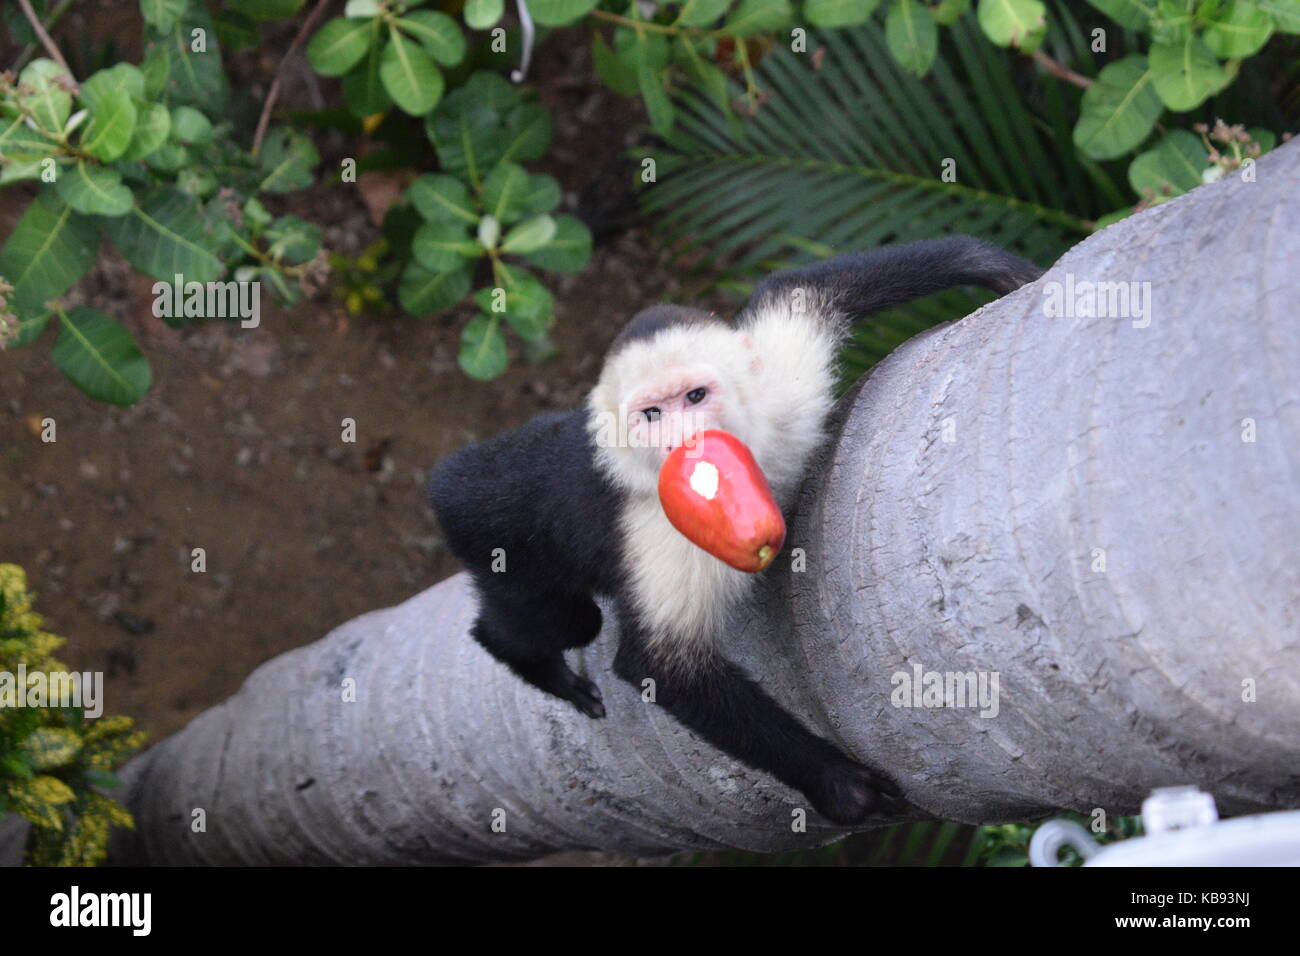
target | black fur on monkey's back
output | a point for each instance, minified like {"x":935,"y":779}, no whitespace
{"x":538,"y":494}
{"x":534,"y":493}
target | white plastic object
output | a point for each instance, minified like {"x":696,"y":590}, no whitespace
{"x":1183,"y":829}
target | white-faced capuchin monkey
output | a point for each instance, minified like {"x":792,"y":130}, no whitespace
{"x":572,"y":498}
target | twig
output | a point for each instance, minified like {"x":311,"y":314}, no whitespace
{"x":307,"y":26}
{"x":55,"y":15}
{"x":649,"y":25}
{"x":44,"y":37}
{"x":1062,"y":72}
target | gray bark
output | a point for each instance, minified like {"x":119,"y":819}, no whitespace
{"x":977,"y":554}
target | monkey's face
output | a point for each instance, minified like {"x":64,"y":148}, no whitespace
{"x":665,"y":411}
{"x":655,"y":394}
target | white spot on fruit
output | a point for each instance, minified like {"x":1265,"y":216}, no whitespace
{"x":704,"y":479}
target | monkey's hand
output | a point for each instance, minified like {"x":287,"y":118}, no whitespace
{"x":847,"y":793}
{"x":554,"y":676}
{"x":584,"y":695}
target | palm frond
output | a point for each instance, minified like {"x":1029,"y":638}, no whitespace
{"x":850,"y":154}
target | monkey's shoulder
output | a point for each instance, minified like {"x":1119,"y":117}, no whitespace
{"x":535,"y":488}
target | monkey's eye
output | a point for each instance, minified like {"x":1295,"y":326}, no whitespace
{"x":651,"y":414}
{"x":696,"y":396}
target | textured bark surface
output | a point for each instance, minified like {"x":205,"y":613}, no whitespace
{"x":972,"y":554}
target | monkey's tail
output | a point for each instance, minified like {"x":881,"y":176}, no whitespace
{"x":859,"y":284}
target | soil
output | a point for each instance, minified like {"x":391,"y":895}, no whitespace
{"x":237,"y":446}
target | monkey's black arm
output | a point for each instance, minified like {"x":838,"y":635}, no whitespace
{"x":718,"y":701}
{"x":861,"y":283}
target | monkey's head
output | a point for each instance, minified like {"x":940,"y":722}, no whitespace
{"x":672,"y":372}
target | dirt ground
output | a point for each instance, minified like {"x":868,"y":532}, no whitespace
{"x":237,"y":447}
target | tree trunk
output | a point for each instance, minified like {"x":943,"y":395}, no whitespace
{"x":1100,"y":512}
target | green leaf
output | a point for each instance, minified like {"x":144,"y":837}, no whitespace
{"x":100,"y":357}
{"x":169,"y":157}
{"x":1265,"y":137}
{"x":287,"y":160}
{"x":949,"y":11}
{"x":409,"y":75}
{"x":235,"y":30}
{"x":504,"y":192}
{"x":542,"y":195}
{"x":256,"y":215}
{"x":443,"y":246}
{"x":287,"y":293}
{"x":49,"y":102}
{"x":423,"y":291}
{"x":529,"y":307}
{"x":703,"y":13}
{"x":482,"y":348}
{"x":440,"y":35}
{"x":1173,"y":20}
{"x":1133,"y":14}
{"x":1111,"y":218}
{"x":651,"y":84}
{"x":438,"y":198}
{"x":838,"y":13}
{"x":167,"y":234}
{"x":568,"y":250}
{"x":49,"y":747}
{"x":339,"y":45}
{"x":1119,"y":110}
{"x":530,"y":235}
{"x":611,"y":69}
{"x":190,"y":126}
{"x":186,"y":75}
{"x":1239,"y":29}
{"x":482,"y":14}
{"x":267,"y":9}
{"x":1285,"y":14}
{"x":19,"y":168}
{"x":759,"y":16}
{"x":121,"y":77}
{"x":152,"y":127}
{"x":363,"y":89}
{"x":197,"y":182}
{"x":94,"y":190}
{"x":484,"y":122}
{"x":557,"y":13}
{"x":112,"y":125}
{"x":50,"y":248}
{"x":162,"y":15}
{"x":1174,"y":166}
{"x":293,"y":240}
{"x":19,"y":142}
{"x":528,"y":132}
{"x":1011,"y":22}
{"x":1185,"y":73}
{"x":912,"y":36}
{"x":38,"y":800}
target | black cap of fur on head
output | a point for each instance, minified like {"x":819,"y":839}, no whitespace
{"x":649,"y":322}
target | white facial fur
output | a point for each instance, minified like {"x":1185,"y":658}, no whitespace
{"x":769,"y":383}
